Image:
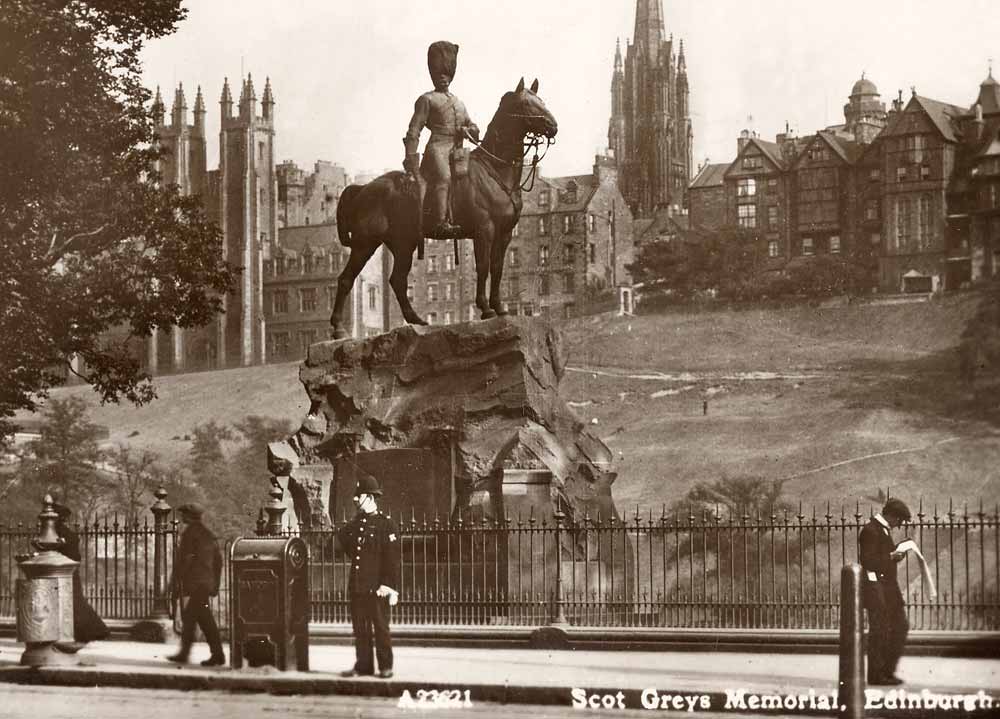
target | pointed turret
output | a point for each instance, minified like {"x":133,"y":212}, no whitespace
{"x":179,"y":113}
{"x":248,"y":99}
{"x":649,"y":27}
{"x":158,"y":110}
{"x":199,"y":113}
{"x":226,"y":101}
{"x":989,"y":94}
{"x":681,"y":62}
{"x":618,"y":55}
{"x":268,"y":101}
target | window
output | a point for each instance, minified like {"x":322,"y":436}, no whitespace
{"x":569,"y":310}
{"x":543,"y":225}
{"x":835,"y":245}
{"x":772,"y":216}
{"x":570,"y":282}
{"x":472,"y":312}
{"x":449,"y":291}
{"x":746,"y":187}
{"x":306,"y":338}
{"x":925,"y":172}
{"x":772,"y":248}
{"x":875,"y":174}
{"x":409,"y":293}
{"x":819,"y":153}
{"x":512,"y":254}
{"x":592,"y":222}
{"x":543,"y":255}
{"x":566,"y":224}
{"x":279,"y":265}
{"x":543,"y":285}
{"x":924,"y":237}
{"x":432,"y":293}
{"x":747,"y":215}
{"x":260,"y":152}
{"x":528,"y":310}
{"x":513,"y":286}
{"x":901,"y":174}
{"x":449,"y":262}
{"x":592,"y":257}
{"x":372,"y":298}
{"x":307,"y":264}
{"x":432,"y":264}
{"x":569,"y":254}
{"x":871,"y":209}
{"x":447,"y":318}
{"x":772,"y":183}
{"x":875,"y":238}
{"x":279,"y":343}
{"x":432,"y":318}
{"x":544,"y":198}
{"x":753,"y":162}
{"x":307,"y":300}
{"x":807,"y":246}
{"x":516,"y":230}
{"x":331,"y":296}
{"x":902,"y":217}
{"x":268,"y":268}
{"x":280,"y":302}
{"x":263,"y":238}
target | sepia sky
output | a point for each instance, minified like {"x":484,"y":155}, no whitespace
{"x":345,"y":73}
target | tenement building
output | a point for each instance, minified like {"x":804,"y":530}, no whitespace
{"x":650,"y":132}
{"x":912,"y":192}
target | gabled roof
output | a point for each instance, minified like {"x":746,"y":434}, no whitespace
{"x":847,"y":149}
{"x":660,"y":224}
{"x":320,"y":239}
{"x":710,"y":176}
{"x":770,"y":150}
{"x":557,"y":186}
{"x":942,"y":114}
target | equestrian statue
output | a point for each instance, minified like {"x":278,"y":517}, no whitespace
{"x":451,"y":194}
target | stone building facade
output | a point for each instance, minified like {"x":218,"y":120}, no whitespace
{"x":913,"y":192}
{"x":309,"y":198}
{"x":650,"y":132}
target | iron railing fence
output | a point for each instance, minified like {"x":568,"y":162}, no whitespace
{"x":687,"y":569}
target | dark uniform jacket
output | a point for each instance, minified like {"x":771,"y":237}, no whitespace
{"x":198,"y":563}
{"x":875,"y":547}
{"x":371,"y":542}
{"x":445,"y":116}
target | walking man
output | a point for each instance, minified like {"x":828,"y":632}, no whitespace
{"x":197,"y":570}
{"x":887,"y":623}
{"x":371,"y":542}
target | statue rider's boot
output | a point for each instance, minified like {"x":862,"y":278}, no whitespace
{"x":439,"y":226}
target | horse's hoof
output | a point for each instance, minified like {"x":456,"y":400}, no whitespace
{"x":488,"y":314}
{"x":341,"y":334}
{"x":416,"y":321}
{"x":501,"y":312}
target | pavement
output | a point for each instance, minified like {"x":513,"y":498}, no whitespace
{"x":529,"y":676}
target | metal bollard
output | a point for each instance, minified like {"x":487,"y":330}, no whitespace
{"x":851,"y":686}
{"x":45,"y":596}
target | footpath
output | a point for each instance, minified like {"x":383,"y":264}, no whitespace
{"x":675,"y":680}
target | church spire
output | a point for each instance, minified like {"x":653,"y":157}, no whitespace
{"x":649,"y":26}
{"x":618,"y":55}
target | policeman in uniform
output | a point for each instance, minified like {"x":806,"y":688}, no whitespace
{"x":447,"y":119}
{"x":887,"y":623}
{"x":371,"y":541}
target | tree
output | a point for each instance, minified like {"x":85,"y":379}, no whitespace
{"x":134,"y":475}
{"x":65,"y":458}
{"x":89,"y":240}
{"x":697,"y":261}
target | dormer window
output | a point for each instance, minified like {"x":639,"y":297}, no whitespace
{"x":753,"y":162}
{"x":544,"y":198}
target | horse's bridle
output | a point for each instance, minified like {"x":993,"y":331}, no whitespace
{"x":532,"y":141}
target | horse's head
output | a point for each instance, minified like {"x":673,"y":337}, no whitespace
{"x":528,"y":112}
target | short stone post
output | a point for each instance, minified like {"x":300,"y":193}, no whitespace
{"x":45,"y":596}
{"x":275,"y":510}
{"x":158,"y":626}
{"x":851,"y":686}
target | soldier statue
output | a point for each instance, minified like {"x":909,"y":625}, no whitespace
{"x":446,"y":117}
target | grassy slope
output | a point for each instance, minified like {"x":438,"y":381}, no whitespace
{"x":883,"y":379}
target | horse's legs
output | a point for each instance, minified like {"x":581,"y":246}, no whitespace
{"x":481,"y":244}
{"x":361,"y":252}
{"x":497,"y":254}
{"x":402,"y":261}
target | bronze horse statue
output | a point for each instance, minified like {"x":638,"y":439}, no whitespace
{"x":486,"y":205}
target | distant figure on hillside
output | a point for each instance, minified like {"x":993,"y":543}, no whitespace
{"x":887,"y":623}
{"x":197,"y":572}
{"x":87,"y":624}
{"x":371,"y":542}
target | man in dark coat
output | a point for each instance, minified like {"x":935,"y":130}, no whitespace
{"x":371,"y":542}
{"x":87,"y":624}
{"x":887,"y":623}
{"x":197,"y":571}
{"x":446,"y":117}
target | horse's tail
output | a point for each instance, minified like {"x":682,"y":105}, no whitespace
{"x":346,"y":213}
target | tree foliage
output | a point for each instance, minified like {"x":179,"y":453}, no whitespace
{"x":89,"y":240}
{"x":979,"y":348}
